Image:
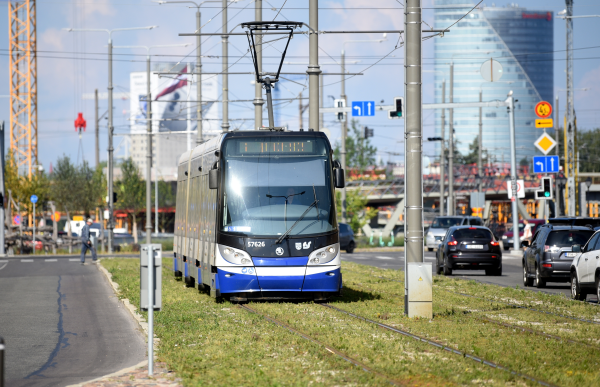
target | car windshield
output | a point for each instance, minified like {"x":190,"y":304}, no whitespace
{"x":568,"y":238}
{"x":446,"y":222}
{"x":273,"y":182}
{"x":472,"y":233}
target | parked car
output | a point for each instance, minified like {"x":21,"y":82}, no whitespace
{"x":346,"y":238}
{"x":469,"y":248}
{"x":507,"y":238}
{"x":441,"y":224}
{"x":549,"y":257}
{"x":585,"y":269}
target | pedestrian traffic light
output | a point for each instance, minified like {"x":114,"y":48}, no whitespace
{"x":368,"y":133}
{"x":114,"y":197}
{"x":340,"y":103}
{"x":398,"y":111}
{"x":545,"y":193}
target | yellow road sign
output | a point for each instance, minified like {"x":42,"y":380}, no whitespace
{"x":544,"y":123}
{"x":545,"y":143}
{"x":543,"y":109}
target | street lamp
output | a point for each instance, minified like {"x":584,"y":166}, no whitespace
{"x":198,"y":71}
{"x":345,"y":121}
{"x":149,"y":138}
{"x":110,"y":120}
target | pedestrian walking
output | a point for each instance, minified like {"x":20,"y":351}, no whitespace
{"x":86,"y":242}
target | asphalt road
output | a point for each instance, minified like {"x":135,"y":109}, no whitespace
{"x":62,"y":323}
{"x":512,"y":270}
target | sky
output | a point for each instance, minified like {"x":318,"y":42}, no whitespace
{"x":73,"y":63}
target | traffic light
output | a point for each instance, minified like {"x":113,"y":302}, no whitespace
{"x":398,"y":111}
{"x":545,"y":193}
{"x":114,"y":197}
{"x":340,"y":103}
{"x":368,"y":133}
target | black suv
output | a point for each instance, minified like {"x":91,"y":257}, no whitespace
{"x":549,"y":257}
{"x":469,"y":248}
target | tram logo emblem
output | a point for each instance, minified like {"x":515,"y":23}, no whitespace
{"x":306,"y":245}
{"x":279,"y":251}
{"x":298,"y":246}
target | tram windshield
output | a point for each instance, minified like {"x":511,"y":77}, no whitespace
{"x":275,"y":183}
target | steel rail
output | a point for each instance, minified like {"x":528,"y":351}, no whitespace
{"x":327,"y":347}
{"x":443,"y":347}
{"x":498,"y":301}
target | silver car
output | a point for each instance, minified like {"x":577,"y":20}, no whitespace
{"x":441,"y":224}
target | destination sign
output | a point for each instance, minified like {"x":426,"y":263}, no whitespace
{"x":276,"y":147}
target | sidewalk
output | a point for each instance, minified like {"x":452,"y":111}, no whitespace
{"x":136,"y":376}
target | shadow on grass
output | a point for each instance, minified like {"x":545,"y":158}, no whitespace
{"x":350,"y":294}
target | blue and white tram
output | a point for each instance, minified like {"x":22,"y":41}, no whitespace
{"x":256,"y":217}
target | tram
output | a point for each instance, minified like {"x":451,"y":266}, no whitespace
{"x":255,"y":216}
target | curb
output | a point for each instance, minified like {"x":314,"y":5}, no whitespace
{"x":117,"y":373}
{"x":379,"y":249}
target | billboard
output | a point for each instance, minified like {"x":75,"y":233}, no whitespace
{"x":173,"y":103}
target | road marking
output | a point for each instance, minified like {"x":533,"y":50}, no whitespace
{"x":26,"y":260}
{"x":50,"y":260}
{"x":383,"y":257}
{"x":74,"y":259}
{"x":3,"y":264}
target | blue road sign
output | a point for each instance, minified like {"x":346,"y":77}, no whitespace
{"x":546,"y":164}
{"x":33,"y":199}
{"x":363,"y":108}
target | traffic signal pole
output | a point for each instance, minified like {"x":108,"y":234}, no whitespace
{"x":443,"y":153}
{"x":344,"y":133}
{"x":451,"y":145}
{"x":513,"y":173}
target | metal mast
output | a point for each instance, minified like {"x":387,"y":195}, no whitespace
{"x":258,"y":100}
{"x":22,"y":38}
{"x":570,"y":128}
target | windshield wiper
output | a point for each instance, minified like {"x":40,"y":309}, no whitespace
{"x":280,"y":239}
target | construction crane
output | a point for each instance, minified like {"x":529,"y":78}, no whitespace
{"x":22,"y":36}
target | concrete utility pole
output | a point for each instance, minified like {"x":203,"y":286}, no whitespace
{"x":225,"y":61}
{"x":443,"y":153}
{"x":97,"y":128}
{"x":258,"y":100}
{"x":570,"y":128}
{"x":451,"y":145}
{"x":415,"y":305}
{"x":111,"y":126}
{"x":480,"y":145}
{"x":2,"y":252}
{"x":313,"y":67}
{"x":557,"y":135}
{"x":513,"y":171}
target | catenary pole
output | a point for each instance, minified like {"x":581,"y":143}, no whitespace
{"x":413,"y":143}
{"x":480,"y":145}
{"x":97,"y":128}
{"x":110,"y":224}
{"x":198,"y":80}
{"x":557,"y":138}
{"x":2,"y":252}
{"x":225,"y":79}
{"x":313,"y":67}
{"x":443,"y":153}
{"x":258,"y":100}
{"x":570,"y":128}
{"x":344,"y":132}
{"x":148,"y":155}
{"x":513,"y":171}
{"x":450,"y":200}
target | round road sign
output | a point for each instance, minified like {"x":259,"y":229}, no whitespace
{"x":33,"y":199}
{"x":17,"y":219}
{"x":543,"y":109}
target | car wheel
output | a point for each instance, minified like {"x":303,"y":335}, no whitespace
{"x":447,"y":269}
{"x":539,"y":281}
{"x":438,"y":268}
{"x":350,"y":248}
{"x":430,"y":249}
{"x":526,"y":280}
{"x":576,"y":292}
{"x":498,"y":271}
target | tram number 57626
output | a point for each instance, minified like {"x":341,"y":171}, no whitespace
{"x":256,"y":244}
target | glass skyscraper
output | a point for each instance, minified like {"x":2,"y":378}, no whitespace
{"x":522,"y":41}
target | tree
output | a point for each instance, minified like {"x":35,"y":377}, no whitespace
{"x":91,"y":187}
{"x":588,"y":143}
{"x":357,"y":212}
{"x":131,"y":191}
{"x":64,"y":190}
{"x":360,"y":153}
{"x":165,"y":199}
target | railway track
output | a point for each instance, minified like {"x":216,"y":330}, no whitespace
{"x":327,"y":347}
{"x":491,"y":300}
{"x":442,"y":347}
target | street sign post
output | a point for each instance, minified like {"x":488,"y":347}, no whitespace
{"x":34,"y":200}
{"x":363,"y":108}
{"x":545,"y":143}
{"x":520,"y":189}
{"x":546,"y":164}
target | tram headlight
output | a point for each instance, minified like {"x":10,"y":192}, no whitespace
{"x":235,"y":256}
{"x":324,"y":255}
